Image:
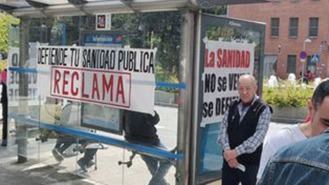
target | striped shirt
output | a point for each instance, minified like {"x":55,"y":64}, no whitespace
{"x":253,"y":142}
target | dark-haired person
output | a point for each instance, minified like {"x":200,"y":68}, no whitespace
{"x":242,"y":132}
{"x":64,"y":141}
{"x":290,"y":135}
{"x":4,"y":102}
{"x":305,"y":162}
{"x":140,"y":128}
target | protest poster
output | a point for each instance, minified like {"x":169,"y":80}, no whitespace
{"x":225,"y":62}
{"x":116,"y":77}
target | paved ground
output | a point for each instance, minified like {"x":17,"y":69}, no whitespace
{"x":274,"y":127}
{"x":42,"y":169}
{"x":45,"y":170}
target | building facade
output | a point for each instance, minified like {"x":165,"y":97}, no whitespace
{"x":292,"y":26}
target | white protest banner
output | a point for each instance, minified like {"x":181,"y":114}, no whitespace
{"x":115,"y":77}
{"x":224,"y":63}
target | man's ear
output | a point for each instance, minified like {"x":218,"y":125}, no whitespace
{"x":310,"y":108}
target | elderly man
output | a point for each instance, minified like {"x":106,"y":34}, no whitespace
{"x":242,"y":132}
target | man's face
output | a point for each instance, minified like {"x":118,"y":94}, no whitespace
{"x":247,"y":89}
{"x":320,"y":117}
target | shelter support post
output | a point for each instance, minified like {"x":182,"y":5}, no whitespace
{"x":185,"y":96}
{"x":21,"y":139}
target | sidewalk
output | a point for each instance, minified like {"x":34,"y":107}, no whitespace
{"x":274,"y":127}
{"x":45,"y":170}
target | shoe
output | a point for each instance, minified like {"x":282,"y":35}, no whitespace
{"x":82,"y":165}
{"x":90,"y":164}
{"x":4,"y":143}
{"x":159,"y":182}
{"x":57,"y":155}
{"x":68,"y":154}
{"x":164,"y":182}
{"x":21,"y":159}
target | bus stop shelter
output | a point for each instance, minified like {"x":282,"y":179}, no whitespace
{"x":195,"y":61}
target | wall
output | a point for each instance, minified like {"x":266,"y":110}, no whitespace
{"x":284,"y":9}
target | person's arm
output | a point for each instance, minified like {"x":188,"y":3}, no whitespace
{"x":267,"y":177}
{"x":224,"y":141}
{"x":153,"y":119}
{"x":223,"y":137}
{"x":267,"y":153}
{"x":253,"y":142}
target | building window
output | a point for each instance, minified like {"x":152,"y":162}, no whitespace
{"x":275,"y":24}
{"x":291,"y":65}
{"x":314,"y":26}
{"x":293,"y":27}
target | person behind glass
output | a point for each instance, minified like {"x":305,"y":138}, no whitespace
{"x":140,"y":128}
{"x":4,"y":103}
{"x":64,"y":141}
{"x":242,"y":132}
{"x":305,"y":162}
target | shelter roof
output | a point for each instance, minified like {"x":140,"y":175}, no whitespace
{"x":37,"y":8}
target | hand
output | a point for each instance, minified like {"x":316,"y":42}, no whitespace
{"x":230,"y":154}
{"x":233,"y":163}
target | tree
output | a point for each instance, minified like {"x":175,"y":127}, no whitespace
{"x":6,"y":21}
{"x":149,"y":30}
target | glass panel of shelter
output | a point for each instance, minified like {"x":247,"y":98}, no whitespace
{"x":223,"y":31}
{"x":56,"y":130}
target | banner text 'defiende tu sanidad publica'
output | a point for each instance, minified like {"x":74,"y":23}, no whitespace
{"x":116,"y":77}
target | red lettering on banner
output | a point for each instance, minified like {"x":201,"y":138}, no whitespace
{"x":247,"y":62}
{"x":84,"y":95}
{"x":227,"y":58}
{"x":120,"y":90}
{"x":108,"y":87}
{"x":219,"y":57}
{"x":75,"y":76}
{"x":95,"y":87}
{"x":56,"y":80}
{"x":65,"y":82}
{"x":104,"y":87}
{"x":209,"y":60}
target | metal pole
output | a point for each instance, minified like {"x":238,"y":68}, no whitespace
{"x":304,"y":43}
{"x":304,"y":48}
{"x":21,"y":136}
{"x":184,"y":129}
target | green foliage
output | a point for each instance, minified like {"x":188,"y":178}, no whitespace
{"x":287,"y":95}
{"x":161,"y":30}
{"x":228,"y":33}
{"x":149,"y":30}
{"x":218,"y":10}
{"x":216,"y":32}
{"x":6,"y":21}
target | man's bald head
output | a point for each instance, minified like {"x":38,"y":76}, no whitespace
{"x":247,"y":88}
{"x":247,"y":78}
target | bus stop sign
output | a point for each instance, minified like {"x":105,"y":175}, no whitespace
{"x":302,"y":56}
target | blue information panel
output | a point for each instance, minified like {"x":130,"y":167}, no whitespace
{"x":102,"y":118}
{"x":212,"y":161}
{"x":102,"y":39}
